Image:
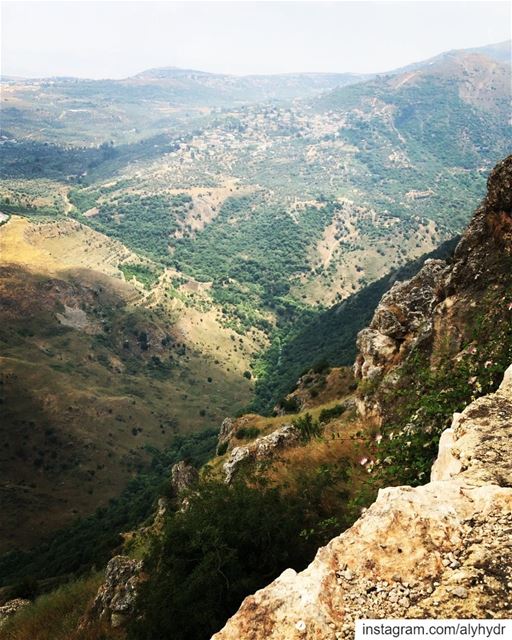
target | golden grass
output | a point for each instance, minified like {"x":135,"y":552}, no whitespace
{"x":54,"y":382}
{"x":267,"y":424}
{"x":340,"y":442}
{"x":59,"y":245}
{"x":343,"y":439}
{"x":341,"y":448}
{"x":14,"y":247}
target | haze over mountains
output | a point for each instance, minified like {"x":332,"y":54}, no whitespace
{"x":172,"y":232}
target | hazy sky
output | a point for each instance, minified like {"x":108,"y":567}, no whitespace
{"x":117,"y":39}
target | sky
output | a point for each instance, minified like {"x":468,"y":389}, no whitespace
{"x":119,"y":39}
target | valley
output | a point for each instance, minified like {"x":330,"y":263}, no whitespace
{"x":255,"y":318}
{"x":169,"y":242}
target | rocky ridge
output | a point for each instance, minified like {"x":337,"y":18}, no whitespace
{"x":262,"y":449}
{"x":440,"y":550}
{"x":431,"y":311}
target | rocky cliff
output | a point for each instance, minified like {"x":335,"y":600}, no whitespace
{"x":441,"y":550}
{"x":433,"y":310}
{"x":402,"y":317}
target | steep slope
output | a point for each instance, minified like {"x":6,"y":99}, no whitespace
{"x":469,"y":71}
{"x":329,"y":337}
{"x":429,"y":551}
{"x":96,"y":371}
{"x":441,"y":550}
{"x":438,"y":344}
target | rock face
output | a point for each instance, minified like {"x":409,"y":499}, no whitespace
{"x":434,"y":304}
{"x":183,"y":478}
{"x":115,"y":600}
{"x":441,"y":550}
{"x":11,"y":607}
{"x":478,"y":258}
{"x":402,"y":317}
{"x":264,"y":448}
{"x":226,"y":430}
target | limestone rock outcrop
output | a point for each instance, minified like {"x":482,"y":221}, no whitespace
{"x":402,"y":317}
{"x":434,"y":305}
{"x":441,"y":550}
{"x":225,"y":433}
{"x":264,"y":448}
{"x":479,"y":256}
{"x":12,"y":607}
{"x":184,"y":477}
{"x":115,"y":600}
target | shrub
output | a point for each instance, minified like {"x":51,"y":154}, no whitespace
{"x":424,"y":400}
{"x":307,"y":427}
{"x":230,"y":542}
{"x":321,"y":366}
{"x":222,"y":448}
{"x":326,"y":415}
{"x":24,"y":588}
{"x":55,"y":616}
{"x":290,"y":405}
{"x":247,"y":433}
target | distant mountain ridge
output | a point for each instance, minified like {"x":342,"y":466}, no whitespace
{"x":247,"y":88}
{"x":499,"y":52}
{"x":473,"y":74}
